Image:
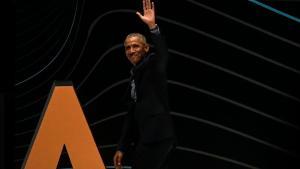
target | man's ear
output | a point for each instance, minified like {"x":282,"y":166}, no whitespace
{"x":147,"y":47}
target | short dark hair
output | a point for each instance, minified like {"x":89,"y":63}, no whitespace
{"x":141,"y":36}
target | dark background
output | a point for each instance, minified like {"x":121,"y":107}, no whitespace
{"x":2,"y":130}
{"x":234,"y":76}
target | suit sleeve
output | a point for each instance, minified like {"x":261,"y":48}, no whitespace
{"x":160,"y":48}
{"x":128,"y":131}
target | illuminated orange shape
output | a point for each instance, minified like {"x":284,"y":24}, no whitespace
{"x":63,"y":123}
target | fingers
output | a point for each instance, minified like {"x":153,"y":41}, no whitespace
{"x":153,"y":6}
{"x":147,"y":4}
{"x":144,"y":5}
{"x":139,"y":14}
{"x":117,"y":164}
{"x":117,"y":160}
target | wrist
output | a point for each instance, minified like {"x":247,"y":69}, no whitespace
{"x":155,"y":29}
{"x":152,"y":26}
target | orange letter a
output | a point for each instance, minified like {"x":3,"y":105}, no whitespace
{"x":63,"y":123}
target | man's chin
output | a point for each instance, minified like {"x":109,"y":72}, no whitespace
{"x":135,"y":61}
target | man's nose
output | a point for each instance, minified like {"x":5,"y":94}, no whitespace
{"x":131,"y":50}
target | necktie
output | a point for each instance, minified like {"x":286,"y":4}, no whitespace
{"x":133,"y":90}
{"x":132,"y":84}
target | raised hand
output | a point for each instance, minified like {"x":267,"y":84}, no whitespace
{"x":148,"y":16}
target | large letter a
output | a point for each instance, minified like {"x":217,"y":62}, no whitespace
{"x":63,"y":123}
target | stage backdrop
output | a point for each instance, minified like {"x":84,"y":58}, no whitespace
{"x":233,"y":74}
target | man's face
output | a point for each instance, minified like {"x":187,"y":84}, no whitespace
{"x":135,"y":49}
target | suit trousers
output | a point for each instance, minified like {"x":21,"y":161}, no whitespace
{"x":153,"y":155}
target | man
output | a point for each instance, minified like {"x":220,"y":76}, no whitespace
{"x":148,"y":125}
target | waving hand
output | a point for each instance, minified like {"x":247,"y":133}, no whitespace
{"x":148,"y":16}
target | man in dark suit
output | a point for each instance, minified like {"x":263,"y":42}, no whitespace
{"x":148,"y":126}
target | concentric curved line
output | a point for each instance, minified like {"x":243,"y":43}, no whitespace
{"x":200,"y":120}
{"x":202,"y":33}
{"x":231,"y":45}
{"x":20,"y":45}
{"x":207,"y":93}
{"x":270,"y":145}
{"x":213,"y":124}
{"x":245,"y":23}
{"x":29,"y":104}
{"x":198,"y":60}
{"x":220,"y":68}
{"x":45,"y":81}
{"x":81,"y":51}
{"x":31,"y":52}
{"x":25,"y":20}
{"x":76,"y":34}
{"x":216,"y":157}
{"x":49,"y":77}
{"x":194,"y":89}
{"x":85,"y":104}
{"x":98,"y":61}
{"x":91,"y":28}
{"x":108,"y":118}
{"x":58,"y":53}
{"x":286,"y":123}
{"x":24,"y":132}
{"x":28,"y":118}
{"x":105,"y":90}
{"x":111,"y":12}
{"x":37,"y":36}
{"x":210,"y":123}
{"x":203,"y":62}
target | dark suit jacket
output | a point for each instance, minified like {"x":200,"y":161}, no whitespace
{"x":148,"y":119}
